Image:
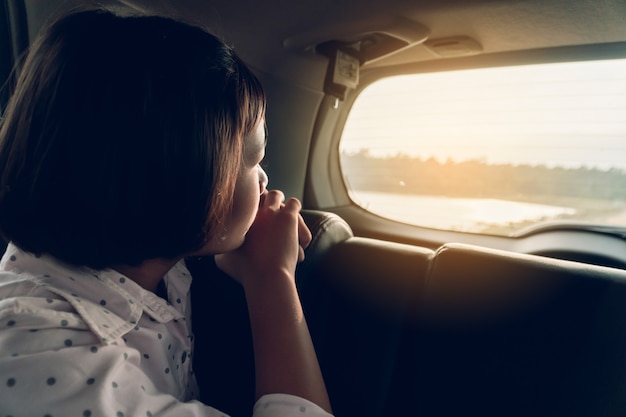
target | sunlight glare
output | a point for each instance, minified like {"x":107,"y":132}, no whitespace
{"x":565,"y":114}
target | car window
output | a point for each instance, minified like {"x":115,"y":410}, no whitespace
{"x":491,"y":150}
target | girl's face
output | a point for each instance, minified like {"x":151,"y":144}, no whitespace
{"x":249,"y":187}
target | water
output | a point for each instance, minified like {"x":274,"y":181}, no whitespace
{"x":460,"y":214}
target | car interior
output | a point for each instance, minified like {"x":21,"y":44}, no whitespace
{"x":408,"y":319}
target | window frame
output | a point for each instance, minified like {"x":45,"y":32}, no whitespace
{"x":325,"y":188}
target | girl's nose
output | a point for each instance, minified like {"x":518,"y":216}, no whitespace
{"x":263,"y":180}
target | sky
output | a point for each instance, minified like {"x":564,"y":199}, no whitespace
{"x":566,"y":114}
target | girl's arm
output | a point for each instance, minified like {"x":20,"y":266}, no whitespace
{"x":285,"y":359}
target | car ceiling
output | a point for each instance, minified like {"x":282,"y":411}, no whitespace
{"x":279,"y":36}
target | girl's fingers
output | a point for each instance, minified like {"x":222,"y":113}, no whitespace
{"x":304,"y":234}
{"x":274,"y":199}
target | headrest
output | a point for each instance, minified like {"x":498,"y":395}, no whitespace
{"x":327,"y":229}
{"x":468,"y":282}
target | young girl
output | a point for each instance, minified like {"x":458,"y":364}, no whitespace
{"x":130,"y":143}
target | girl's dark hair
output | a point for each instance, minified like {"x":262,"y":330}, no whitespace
{"x":123,"y":139}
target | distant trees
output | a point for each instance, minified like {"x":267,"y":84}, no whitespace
{"x":404,"y":174}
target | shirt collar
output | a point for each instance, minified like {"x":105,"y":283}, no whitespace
{"x":110,"y":303}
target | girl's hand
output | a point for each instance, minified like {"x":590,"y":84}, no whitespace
{"x":274,"y":244}
{"x":284,"y":356}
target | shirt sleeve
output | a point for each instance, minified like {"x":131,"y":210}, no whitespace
{"x":284,"y":405}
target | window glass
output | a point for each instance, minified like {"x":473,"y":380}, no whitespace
{"x":492,"y":150}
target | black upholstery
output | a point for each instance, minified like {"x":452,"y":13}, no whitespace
{"x":503,"y":334}
{"x":356,"y":296}
{"x":405,"y":331}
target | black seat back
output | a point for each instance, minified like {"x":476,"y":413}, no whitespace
{"x":518,"y":335}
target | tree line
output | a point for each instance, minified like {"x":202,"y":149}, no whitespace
{"x":403,"y":174}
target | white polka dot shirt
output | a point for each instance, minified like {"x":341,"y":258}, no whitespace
{"x":80,"y":342}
